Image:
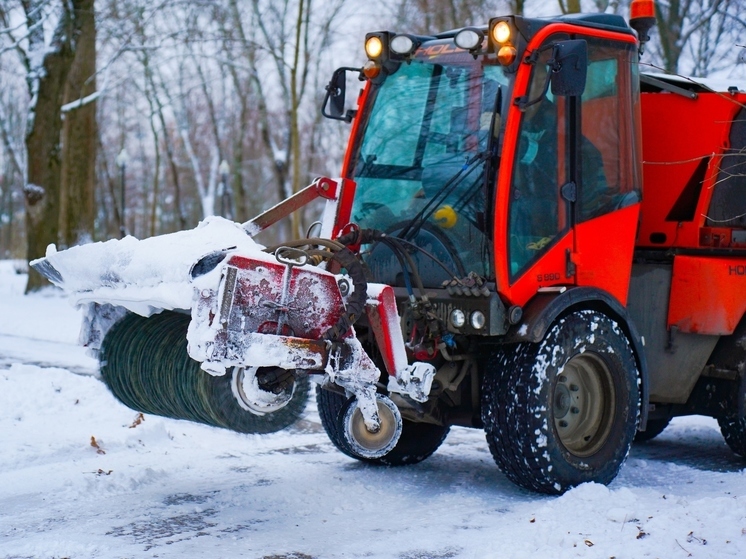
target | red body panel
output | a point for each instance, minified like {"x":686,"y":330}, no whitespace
{"x":708,"y":295}
{"x":313,"y":304}
{"x":346,"y":196}
{"x":384,"y":322}
{"x":604,"y":250}
{"x":549,"y":270}
{"x":679,"y":135}
{"x":683,"y":145}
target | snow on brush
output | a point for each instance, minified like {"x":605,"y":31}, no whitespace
{"x":84,"y":477}
{"x":150,"y":274}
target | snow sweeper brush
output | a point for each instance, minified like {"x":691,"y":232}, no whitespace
{"x":208,"y":326}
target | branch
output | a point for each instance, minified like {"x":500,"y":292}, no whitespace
{"x":14,"y":159}
{"x":72,"y":105}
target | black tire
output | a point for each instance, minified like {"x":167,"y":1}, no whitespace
{"x":564,"y":411}
{"x":734,"y":433}
{"x":654,"y":428}
{"x":417,"y":442}
{"x":225,"y":404}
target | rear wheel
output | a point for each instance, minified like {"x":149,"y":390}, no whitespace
{"x":416,"y":443}
{"x":734,"y":432}
{"x":564,"y":411}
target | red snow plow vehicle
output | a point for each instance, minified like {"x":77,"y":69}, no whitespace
{"x":488,"y":259}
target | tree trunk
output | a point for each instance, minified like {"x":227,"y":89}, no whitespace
{"x":569,"y":6}
{"x":670,"y":23}
{"x":42,"y":191}
{"x":516,"y":7}
{"x":294,"y":126}
{"x":79,"y":135}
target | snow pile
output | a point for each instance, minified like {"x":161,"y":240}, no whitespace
{"x":146,"y":275}
{"x":175,"y":489}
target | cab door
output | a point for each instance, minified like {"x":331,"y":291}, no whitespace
{"x":607,"y":162}
{"x":573,"y":180}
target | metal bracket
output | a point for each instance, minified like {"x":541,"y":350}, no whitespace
{"x":665,"y":86}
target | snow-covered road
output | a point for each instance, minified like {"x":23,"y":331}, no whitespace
{"x":165,"y":488}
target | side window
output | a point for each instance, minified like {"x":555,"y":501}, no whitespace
{"x":606,"y":144}
{"x":535,"y":218}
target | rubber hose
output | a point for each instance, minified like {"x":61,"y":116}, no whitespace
{"x":356,"y":303}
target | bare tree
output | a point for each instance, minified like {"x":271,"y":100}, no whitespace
{"x":47,"y":64}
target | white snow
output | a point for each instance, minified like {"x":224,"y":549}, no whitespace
{"x":173,"y":489}
{"x":147,"y":275}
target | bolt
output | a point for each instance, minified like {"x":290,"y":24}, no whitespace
{"x":562,"y":378}
{"x":574,"y":387}
{"x":574,"y":410}
{"x":563,"y":423}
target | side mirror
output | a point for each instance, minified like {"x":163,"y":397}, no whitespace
{"x":337,"y":88}
{"x":569,"y":67}
{"x":335,"y":96}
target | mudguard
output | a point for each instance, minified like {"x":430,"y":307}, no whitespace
{"x":545,"y":308}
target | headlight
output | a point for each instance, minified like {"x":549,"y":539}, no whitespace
{"x":402,"y":44}
{"x":458,"y":318}
{"x":373,"y":47}
{"x":468,"y":39}
{"x":478,"y":320}
{"x":501,"y":32}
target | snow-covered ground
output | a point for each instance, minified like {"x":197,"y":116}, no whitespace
{"x":165,"y":488}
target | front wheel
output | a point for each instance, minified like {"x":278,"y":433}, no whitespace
{"x":416,"y":442}
{"x":564,"y":411}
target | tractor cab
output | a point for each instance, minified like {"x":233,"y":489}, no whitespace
{"x":508,"y":153}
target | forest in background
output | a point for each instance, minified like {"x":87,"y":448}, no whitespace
{"x":143,"y":117}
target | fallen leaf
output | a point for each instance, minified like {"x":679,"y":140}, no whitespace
{"x":589,"y":543}
{"x":532,"y":520}
{"x":105,"y":473}
{"x":139,"y":419}
{"x":95,"y":445}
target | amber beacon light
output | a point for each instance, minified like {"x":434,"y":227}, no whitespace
{"x":642,"y":18}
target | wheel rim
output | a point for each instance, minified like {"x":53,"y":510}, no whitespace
{"x":252,"y":398}
{"x":369,"y":444}
{"x":583,"y":404}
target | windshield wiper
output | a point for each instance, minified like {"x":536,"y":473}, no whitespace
{"x":416,"y":223}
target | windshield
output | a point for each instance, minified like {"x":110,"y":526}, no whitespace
{"x":422,"y":169}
